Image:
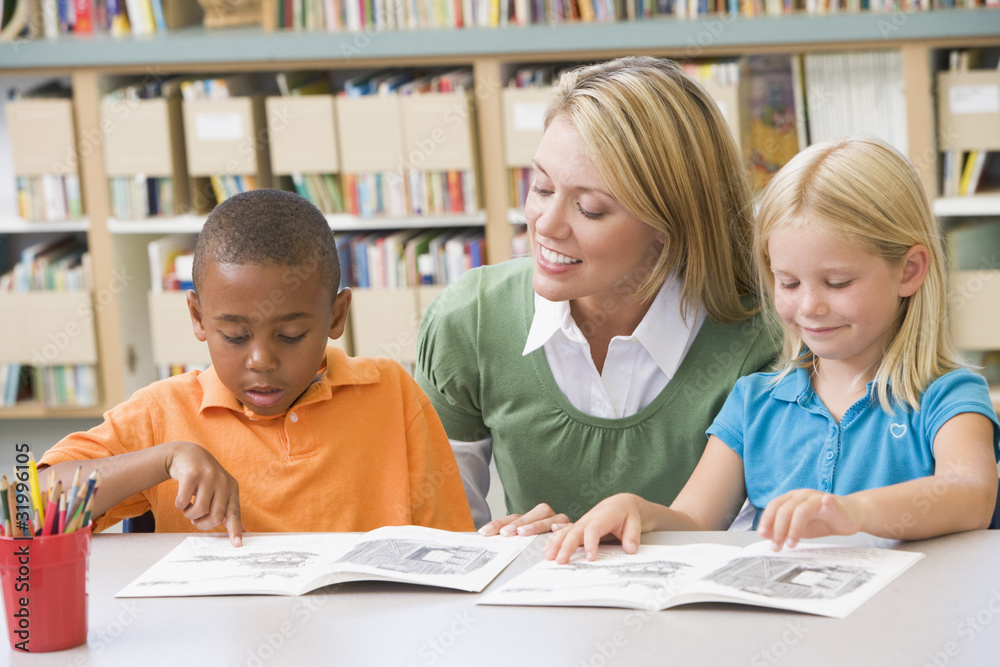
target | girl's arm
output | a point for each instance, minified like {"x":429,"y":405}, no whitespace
{"x":709,"y":501}
{"x":960,"y":495}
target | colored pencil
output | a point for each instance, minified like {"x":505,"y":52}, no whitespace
{"x":75,"y":486}
{"x":62,"y":514}
{"x":4,"y":486}
{"x":36,"y":490}
{"x":51,"y":523}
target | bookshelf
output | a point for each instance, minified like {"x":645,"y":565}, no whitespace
{"x":493,"y":54}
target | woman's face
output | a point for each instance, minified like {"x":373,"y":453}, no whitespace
{"x":585,"y":244}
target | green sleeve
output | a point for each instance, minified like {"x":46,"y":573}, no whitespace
{"x":448,"y":367}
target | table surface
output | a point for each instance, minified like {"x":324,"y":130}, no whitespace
{"x":944,"y":611}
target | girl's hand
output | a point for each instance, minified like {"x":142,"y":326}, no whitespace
{"x":806,"y":513}
{"x":539,"y":520}
{"x":619,"y":515}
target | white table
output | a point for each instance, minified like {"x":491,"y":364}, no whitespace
{"x":944,"y":611}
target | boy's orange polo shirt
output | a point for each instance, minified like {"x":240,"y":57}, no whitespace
{"x":361,"y":448}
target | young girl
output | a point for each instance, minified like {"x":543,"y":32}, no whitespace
{"x":871,"y":424}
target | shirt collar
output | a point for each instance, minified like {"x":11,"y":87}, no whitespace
{"x":796,"y":385}
{"x":336,"y":370}
{"x":664,"y":314}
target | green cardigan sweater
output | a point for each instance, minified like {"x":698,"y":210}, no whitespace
{"x":471,"y":366}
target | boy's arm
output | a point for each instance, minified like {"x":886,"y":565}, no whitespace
{"x":960,"y":495}
{"x":207,"y":494}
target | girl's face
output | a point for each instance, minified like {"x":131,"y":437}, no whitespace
{"x":837,"y":296}
{"x":585,"y":244}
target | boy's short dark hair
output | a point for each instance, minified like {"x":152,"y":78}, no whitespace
{"x":269,"y":228}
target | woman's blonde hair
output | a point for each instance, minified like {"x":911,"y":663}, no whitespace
{"x":864,"y":190}
{"x":663,"y":148}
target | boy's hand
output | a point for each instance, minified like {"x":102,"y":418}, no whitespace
{"x":619,"y":515}
{"x":207,"y":494}
{"x":539,"y":520}
{"x":806,"y":513}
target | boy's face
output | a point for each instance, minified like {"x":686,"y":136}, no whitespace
{"x":267,"y":330}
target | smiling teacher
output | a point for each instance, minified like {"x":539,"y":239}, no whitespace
{"x":595,"y":366}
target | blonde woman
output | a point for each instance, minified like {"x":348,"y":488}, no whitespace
{"x":595,"y":366}
{"x":871,"y":424}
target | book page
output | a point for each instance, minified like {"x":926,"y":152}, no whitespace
{"x":814,"y":578}
{"x":265,"y":565}
{"x":463,"y":561}
{"x":293,"y":564}
{"x":647,"y":579}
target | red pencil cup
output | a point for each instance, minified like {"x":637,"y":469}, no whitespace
{"x":45,"y":590}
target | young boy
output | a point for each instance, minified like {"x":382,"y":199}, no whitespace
{"x":283,"y":432}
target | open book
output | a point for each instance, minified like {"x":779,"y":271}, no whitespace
{"x":293,"y":564}
{"x":812,"y":578}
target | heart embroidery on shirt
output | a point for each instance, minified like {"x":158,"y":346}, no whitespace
{"x":897,"y":430}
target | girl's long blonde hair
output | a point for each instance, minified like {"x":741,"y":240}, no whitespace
{"x":663,"y":148}
{"x":864,"y":189}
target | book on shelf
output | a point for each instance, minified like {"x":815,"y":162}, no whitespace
{"x":223,"y":123}
{"x":56,"y":264}
{"x":333,"y":15}
{"x":49,"y":19}
{"x":405,"y":152}
{"x":43,"y":152}
{"x":302,"y":139}
{"x":409,"y":257}
{"x":856,"y":92}
{"x":969,"y":122}
{"x":144,"y":154}
{"x":813,"y":578}
{"x":295,"y":564}
{"x":171,"y":263}
{"x":973,"y":244}
{"x":772,"y":127}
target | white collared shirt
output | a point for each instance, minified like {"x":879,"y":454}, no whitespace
{"x":636,"y":370}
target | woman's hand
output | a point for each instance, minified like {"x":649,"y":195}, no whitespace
{"x":539,"y":520}
{"x":620,"y":515}
{"x":806,"y":513}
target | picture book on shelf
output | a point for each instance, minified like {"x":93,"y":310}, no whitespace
{"x":813,"y":578}
{"x":294,"y":564}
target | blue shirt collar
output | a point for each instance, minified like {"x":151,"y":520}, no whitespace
{"x":796,"y":386}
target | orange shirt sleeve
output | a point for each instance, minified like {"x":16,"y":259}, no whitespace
{"x":437,"y":497}
{"x":127,"y":427}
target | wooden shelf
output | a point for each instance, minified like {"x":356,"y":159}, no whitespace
{"x":15,"y":225}
{"x":708,"y":35}
{"x":192,"y":224}
{"x":32,"y":410}
{"x":975,"y":205}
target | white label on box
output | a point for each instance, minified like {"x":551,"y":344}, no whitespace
{"x":974,"y":99}
{"x":220,"y":126}
{"x":529,"y":116}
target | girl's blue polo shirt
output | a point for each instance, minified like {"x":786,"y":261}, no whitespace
{"x":788,"y":439}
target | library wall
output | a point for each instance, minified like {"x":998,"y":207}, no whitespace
{"x":449,"y":187}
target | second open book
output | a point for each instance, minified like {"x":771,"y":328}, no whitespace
{"x":813,"y":578}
